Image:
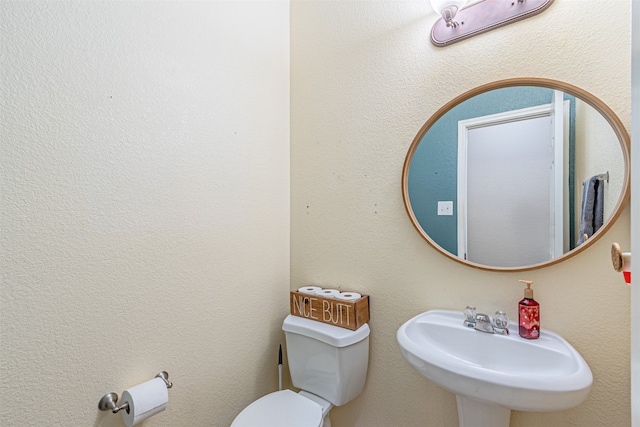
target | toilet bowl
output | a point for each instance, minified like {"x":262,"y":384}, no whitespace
{"x":329,"y":366}
{"x":281,"y":409}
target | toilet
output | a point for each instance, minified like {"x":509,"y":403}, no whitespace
{"x":329,"y":366}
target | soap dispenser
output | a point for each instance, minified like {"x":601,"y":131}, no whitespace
{"x":528,"y":314}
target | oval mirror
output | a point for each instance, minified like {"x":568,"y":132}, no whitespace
{"x":517,"y":174}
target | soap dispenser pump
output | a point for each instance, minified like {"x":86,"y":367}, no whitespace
{"x":528,"y":314}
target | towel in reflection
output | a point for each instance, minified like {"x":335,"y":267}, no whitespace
{"x":592,"y":214}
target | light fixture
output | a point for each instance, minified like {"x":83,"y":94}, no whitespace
{"x":459,"y":22}
{"x":448,"y":10}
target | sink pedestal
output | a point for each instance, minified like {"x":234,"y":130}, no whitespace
{"x":476,"y":413}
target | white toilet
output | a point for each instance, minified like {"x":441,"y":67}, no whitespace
{"x":328,"y":363}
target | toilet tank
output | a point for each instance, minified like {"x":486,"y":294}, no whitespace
{"x":326,"y":360}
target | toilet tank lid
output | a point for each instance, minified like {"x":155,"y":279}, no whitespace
{"x":332,"y":335}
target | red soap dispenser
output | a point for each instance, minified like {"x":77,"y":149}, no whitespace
{"x":529,"y":314}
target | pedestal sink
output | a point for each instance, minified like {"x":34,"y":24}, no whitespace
{"x":492,"y":374}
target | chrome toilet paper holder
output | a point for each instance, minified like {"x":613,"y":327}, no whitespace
{"x":109,"y":400}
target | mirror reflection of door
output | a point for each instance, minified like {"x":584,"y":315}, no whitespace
{"x":508,"y":188}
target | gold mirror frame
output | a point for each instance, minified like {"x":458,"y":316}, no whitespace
{"x":602,"y":108}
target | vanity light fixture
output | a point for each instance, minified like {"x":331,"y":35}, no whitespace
{"x":459,"y":22}
{"x":448,"y":10}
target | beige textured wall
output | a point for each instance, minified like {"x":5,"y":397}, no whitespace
{"x":635,"y":207}
{"x":145,"y":206}
{"x":364,"y":79}
{"x":600,"y":154}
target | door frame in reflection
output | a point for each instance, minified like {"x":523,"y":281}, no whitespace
{"x":549,"y":212}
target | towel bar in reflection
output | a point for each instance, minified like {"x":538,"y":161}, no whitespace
{"x":602,"y":177}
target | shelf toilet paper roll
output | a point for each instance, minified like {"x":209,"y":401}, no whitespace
{"x":309,"y":290}
{"x":145,"y":400}
{"x":349,"y":296}
{"x":328,"y":293}
{"x":626,"y":266}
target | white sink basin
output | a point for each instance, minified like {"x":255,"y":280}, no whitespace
{"x":494,"y":373}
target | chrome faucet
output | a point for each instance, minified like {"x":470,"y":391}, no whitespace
{"x":483,"y":322}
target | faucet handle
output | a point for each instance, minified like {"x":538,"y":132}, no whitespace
{"x":469,"y":316}
{"x":501,"y":322}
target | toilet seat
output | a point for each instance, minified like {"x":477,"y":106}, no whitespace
{"x":280,"y":409}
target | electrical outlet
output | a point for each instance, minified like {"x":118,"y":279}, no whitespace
{"x":445,"y":208}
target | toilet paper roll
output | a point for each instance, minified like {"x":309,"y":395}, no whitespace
{"x":349,"y":296}
{"x":626,"y":267}
{"x":145,"y":400}
{"x":328,"y":293}
{"x":309,"y":290}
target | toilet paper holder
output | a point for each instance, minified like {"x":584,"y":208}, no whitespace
{"x":109,"y":400}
